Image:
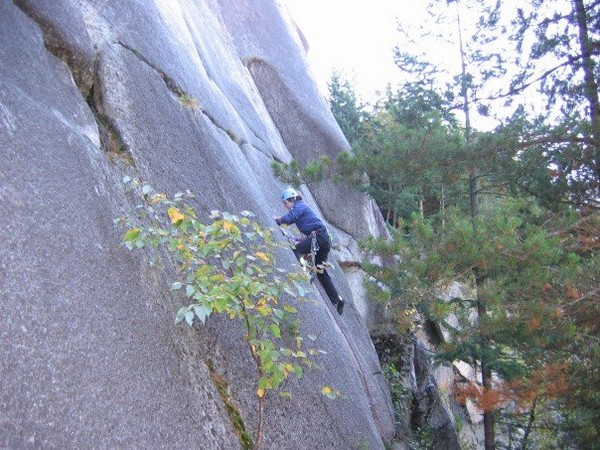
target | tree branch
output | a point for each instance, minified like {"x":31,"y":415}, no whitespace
{"x":572,"y":227}
{"x":553,"y":139}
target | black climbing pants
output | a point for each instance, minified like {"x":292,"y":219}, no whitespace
{"x":304,"y":248}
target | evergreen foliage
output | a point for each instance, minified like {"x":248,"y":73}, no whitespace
{"x":510,"y":214}
{"x":345,"y":107}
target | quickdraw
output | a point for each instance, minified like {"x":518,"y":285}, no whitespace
{"x":314,"y":248}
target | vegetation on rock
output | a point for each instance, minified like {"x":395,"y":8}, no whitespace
{"x":228,"y":267}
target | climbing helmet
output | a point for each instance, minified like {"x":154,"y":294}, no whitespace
{"x":289,"y":193}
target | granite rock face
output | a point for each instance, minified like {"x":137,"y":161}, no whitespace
{"x":92,"y":91}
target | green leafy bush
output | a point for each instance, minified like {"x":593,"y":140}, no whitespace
{"x":228,"y":267}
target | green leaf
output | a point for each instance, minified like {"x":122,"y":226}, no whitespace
{"x":181,"y":314}
{"x":176,"y":286}
{"x":240,"y":262}
{"x":132,"y":235}
{"x":275,"y":330}
{"x":189,"y":290}
{"x":264,"y":383}
{"x":202,"y":312}
{"x":300,"y":288}
{"x":189,"y":317}
{"x":147,"y":189}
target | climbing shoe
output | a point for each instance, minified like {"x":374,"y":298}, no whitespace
{"x":340,"y":306}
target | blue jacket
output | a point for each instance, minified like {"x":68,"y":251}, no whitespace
{"x":304,"y":218}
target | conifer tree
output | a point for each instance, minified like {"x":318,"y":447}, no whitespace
{"x":518,"y":218}
{"x":345,"y":106}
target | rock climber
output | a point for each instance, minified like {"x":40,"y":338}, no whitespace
{"x":314,"y":232}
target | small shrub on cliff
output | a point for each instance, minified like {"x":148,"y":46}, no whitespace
{"x":227,"y":266}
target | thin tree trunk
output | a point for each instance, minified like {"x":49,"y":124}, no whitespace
{"x":529,"y":425}
{"x":486,"y":373}
{"x":443,"y":207}
{"x":474,"y":198}
{"x":591,"y":88}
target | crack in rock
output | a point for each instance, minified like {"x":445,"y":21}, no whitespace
{"x":181,"y":94}
{"x":57,"y":45}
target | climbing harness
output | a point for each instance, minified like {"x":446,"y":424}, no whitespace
{"x":308,"y":261}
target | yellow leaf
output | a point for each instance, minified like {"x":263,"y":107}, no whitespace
{"x":132,"y":234}
{"x":263,"y":310}
{"x":228,"y":226}
{"x":260,"y":392}
{"x":326,"y":390}
{"x":157,"y":198}
{"x":175,"y":215}
{"x":263,"y":256}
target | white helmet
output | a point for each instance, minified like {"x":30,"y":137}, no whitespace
{"x":288,"y":194}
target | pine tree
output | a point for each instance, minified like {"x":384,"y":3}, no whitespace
{"x":517,"y":221}
{"x":560,"y":44}
{"x":346,"y":109}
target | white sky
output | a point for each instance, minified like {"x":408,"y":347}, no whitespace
{"x":355,"y":37}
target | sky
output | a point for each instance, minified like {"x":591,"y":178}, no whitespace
{"x":355,"y":37}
